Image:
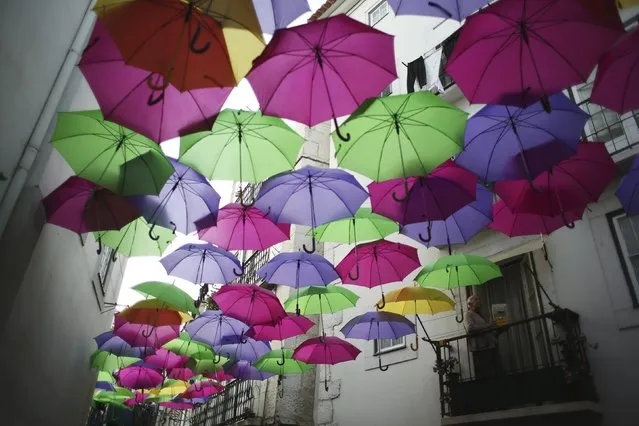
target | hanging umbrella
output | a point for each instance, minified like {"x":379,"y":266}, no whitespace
{"x":380,"y":262}
{"x":109,"y":342}
{"x":202,"y":263}
{"x":170,"y":387}
{"x":80,"y":206}
{"x":401,"y":136}
{"x":459,"y":227}
{"x":168,"y":293}
{"x":516,"y":52}
{"x":220,"y":376}
{"x":243,"y":228}
{"x":447,"y":9}
{"x":617,"y":83}
{"x":106,"y":377}
{"x":119,"y":395}
{"x":177,"y":405}
{"x":139,"y":398}
{"x":185,"y":346}
{"x":280,"y":361}
{"x":248,"y":349}
{"x":521,"y":224}
{"x":322,"y":70}
{"x":311,"y":196}
{"x":106,"y":361}
{"x":126,"y":97}
{"x":627,"y":190}
{"x":211,"y":326}
{"x":243,"y":146}
{"x":319,"y":300}
{"x":142,"y":334}
{"x":277,"y":14}
{"x":181,"y":373}
{"x":325,"y":350}
{"x":132,"y":240}
{"x":202,"y":389}
{"x":364,"y":226}
{"x":459,"y":270}
{"x":244,"y":370}
{"x":110,"y":155}
{"x":251,"y":304}
{"x":104,"y":386}
{"x":165,"y":359}
{"x":497,"y":134}
{"x":155,"y":313}
{"x":623,"y":4}
{"x":204,"y":366}
{"x":185,"y":198}
{"x":290,"y":326}
{"x":416,"y":199}
{"x":138,"y":377}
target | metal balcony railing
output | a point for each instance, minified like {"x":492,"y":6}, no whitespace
{"x":619,"y":132}
{"x":233,"y":404}
{"x":537,"y":360}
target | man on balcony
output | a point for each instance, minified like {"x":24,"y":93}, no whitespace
{"x":484,"y":344}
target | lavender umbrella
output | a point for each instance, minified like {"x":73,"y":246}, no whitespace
{"x":186,"y":198}
{"x":497,"y":134}
{"x":276,"y":14}
{"x":245,"y":371}
{"x":447,"y":9}
{"x":111,"y":343}
{"x":627,"y":190}
{"x":202,"y":263}
{"x":211,"y":327}
{"x":311,"y":196}
{"x":247,"y":350}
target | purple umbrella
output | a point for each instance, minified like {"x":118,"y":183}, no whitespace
{"x":497,"y":134}
{"x":144,"y":335}
{"x":311,"y":196}
{"x":111,"y":343}
{"x":202,"y":263}
{"x":276,"y":14}
{"x":298,"y":269}
{"x":459,"y":227}
{"x":248,"y":349}
{"x":627,"y":190}
{"x":448,"y":9}
{"x":126,"y":96}
{"x":211,"y":327}
{"x":186,"y":198}
{"x":105,"y":386}
{"x":245,"y":371}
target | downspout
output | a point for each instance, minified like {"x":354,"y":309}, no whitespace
{"x":36,"y":138}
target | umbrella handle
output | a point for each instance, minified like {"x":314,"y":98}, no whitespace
{"x":249,"y":393}
{"x":174,"y":226}
{"x":99,"y":250}
{"x":339,"y":134}
{"x":430,"y":236}
{"x":380,"y":365}
{"x":151,"y":236}
{"x":249,"y":204}
{"x":147,"y":335}
{"x":354,"y":277}
{"x":401,"y":199}
{"x":313,"y":247}
{"x":569,"y":224}
{"x":268,"y":211}
{"x":380,"y":307}
{"x":460,"y":320}
{"x":243,"y":338}
{"x":154,"y":100}
{"x":283,"y":359}
{"x":238,"y":274}
{"x":326,"y":385}
{"x":545,"y":103}
{"x":194,"y":40}
{"x":160,"y":86}
{"x":114,"y":258}
{"x":442,"y":9}
{"x":217,"y":358}
{"x":415,"y":347}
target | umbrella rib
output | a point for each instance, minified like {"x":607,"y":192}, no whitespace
{"x":557,"y":52}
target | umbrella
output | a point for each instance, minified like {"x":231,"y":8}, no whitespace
{"x":220,"y":376}
{"x":136,"y":377}
{"x":447,"y":9}
{"x":126,"y":98}
{"x":180,"y":373}
{"x":516,"y":52}
{"x":139,"y":398}
{"x":311,"y":196}
{"x":185,"y":198}
{"x":627,"y":3}
{"x":280,"y":361}
{"x":617,"y":82}
{"x":364,"y":226}
{"x":290,"y":326}
{"x":104,"y":386}
{"x":459,"y":227}
{"x":177,"y":405}
{"x":434,"y":197}
{"x":248,"y":349}
{"x":497,"y":134}
{"x":459,"y":270}
{"x":202,"y":263}
{"x":165,"y":359}
{"x":105,"y":377}
{"x":132,"y":240}
{"x":401,"y":136}
{"x":202,"y":389}
{"x":109,"y":342}
{"x":119,"y":395}
{"x":319,"y":300}
{"x":142,"y":334}
{"x":243,"y":228}
{"x":569,"y":186}
{"x":325,"y":350}
{"x":250,"y":304}
{"x":204,"y":366}
{"x":168,"y":293}
{"x":380,"y":262}
{"x":80,"y":206}
{"x":185,"y":346}
{"x":246,"y":371}
{"x":153,"y":312}
{"x":110,"y":155}
{"x":322,"y":70}
{"x":106,"y":361}
{"x":276,"y":14}
{"x":211,"y":326}
{"x":243,"y":146}
{"x":521,"y":224}
{"x":628,"y":188}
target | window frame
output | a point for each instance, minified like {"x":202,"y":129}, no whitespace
{"x":388,"y":89}
{"x":632,"y":285}
{"x":104,"y":268}
{"x":393,"y":348}
{"x":375,"y":9}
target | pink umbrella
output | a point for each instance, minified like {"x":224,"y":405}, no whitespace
{"x":617,"y":83}
{"x":180,"y":373}
{"x":144,"y":335}
{"x":220,"y":376}
{"x":521,"y":224}
{"x":166,"y":359}
{"x":418,"y":199}
{"x":515,"y":52}
{"x":251,"y":304}
{"x":290,"y":326}
{"x":139,"y":398}
{"x":202,"y":389}
{"x":138,"y":377}
{"x":376,"y":263}
{"x":325,"y":350}
{"x":173,"y":405}
{"x":243,"y":228}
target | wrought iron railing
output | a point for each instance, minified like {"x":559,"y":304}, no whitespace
{"x":233,"y":404}
{"x":540,"y":359}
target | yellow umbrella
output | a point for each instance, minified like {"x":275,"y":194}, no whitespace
{"x":154,"y":312}
{"x":626,"y":4}
{"x":171,"y":387}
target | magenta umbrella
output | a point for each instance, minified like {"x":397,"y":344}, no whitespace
{"x":376,"y":263}
{"x":325,"y":350}
{"x":128,"y":95}
{"x":138,"y":377}
{"x":180,"y":373}
{"x":418,"y":199}
{"x":219,"y":375}
{"x":139,"y":398}
{"x":243,"y":228}
{"x":166,"y":359}
{"x":177,"y":405}
{"x":290,"y":326}
{"x":515,"y":52}
{"x":521,"y":224}
{"x":143,"y":334}
{"x":251,"y":304}
{"x":617,"y":83}
{"x":202,"y":389}
{"x":322,"y":70}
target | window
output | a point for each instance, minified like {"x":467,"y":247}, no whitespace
{"x":604,"y":125}
{"x":387,"y":91}
{"x":377,"y":13}
{"x":625,"y":233}
{"x":104,"y":267}
{"x":388,"y":345}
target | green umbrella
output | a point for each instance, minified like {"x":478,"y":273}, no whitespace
{"x":110,"y":155}
{"x":133,"y":239}
{"x":120,"y":394}
{"x":167,"y":293}
{"x":458,"y":270}
{"x":105,"y":376}
{"x":206,"y":365}
{"x":184,"y":345}
{"x":401,"y":136}
{"x":364,"y":226}
{"x":243,"y":146}
{"x":280,"y":361}
{"x":106,"y":361}
{"x":318,"y":300}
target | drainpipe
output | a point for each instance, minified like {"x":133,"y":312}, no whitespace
{"x":36,"y":138}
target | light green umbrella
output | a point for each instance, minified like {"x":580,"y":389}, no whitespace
{"x":243,"y":146}
{"x":167,"y":293}
{"x":184,"y":345}
{"x":458,"y":270}
{"x":280,"y":361}
{"x":120,"y":394}
{"x":105,"y":376}
{"x":364,"y":226}
{"x":319,"y":300}
{"x":110,"y":155}
{"x":133,"y":239}
{"x":401,"y":136}
{"x":202,"y":366}
{"x":106,"y":361}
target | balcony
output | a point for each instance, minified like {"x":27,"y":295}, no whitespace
{"x":539,"y":374}
{"x":232,"y":405}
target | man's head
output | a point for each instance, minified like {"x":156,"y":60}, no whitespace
{"x":474,"y":303}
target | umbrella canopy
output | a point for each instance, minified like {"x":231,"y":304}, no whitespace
{"x":104,"y":386}
{"x":170,"y":387}
{"x":434,"y":197}
{"x":325,"y":350}
{"x":110,"y":342}
{"x":290,"y":326}
{"x":298,"y":269}
{"x":165,"y":359}
{"x":120,"y":394}
{"x":458,"y":270}
{"x":401,"y":136}
{"x":168,"y":293}
{"x":378,"y":325}
{"x":106,"y":377}
{"x":280,"y":361}
{"x":144,"y":335}
{"x":418,"y":300}
{"x":204,"y":366}
{"x":447,"y":9}
{"x":80,"y":206}
{"x":364,"y":226}
{"x":185,"y":198}
{"x":243,"y":228}
{"x":125,"y":96}
{"x":211,"y":326}
{"x":516,"y":52}
{"x":322,"y":70}
{"x":246,"y":371}
{"x":459,"y":227}
{"x":627,"y":190}
{"x":203,"y":389}
{"x":181,"y":373}
{"x":133,"y":239}
{"x":617,"y":83}
{"x":220,"y":376}
{"x":319,"y":300}
{"x":185,"y":346}
{"x":250,"y":304}
{"x":139,"y":398}
{"x":110,"y":155}
{"x":153,"y":312}
{"x":202,"y":263}
{"x":276,"y":14}
{"x":521,"y":224}
{"x":135,"y":377}
{"x":497,"y":134}
{"x":248,"y":349}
